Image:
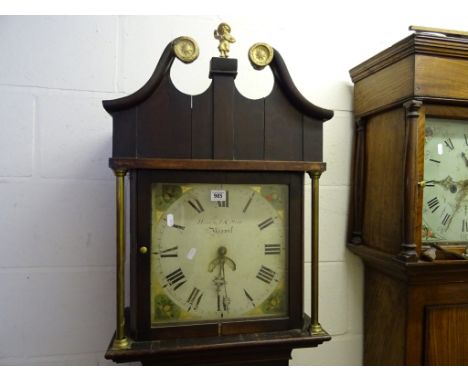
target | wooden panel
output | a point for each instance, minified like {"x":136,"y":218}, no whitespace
{"x":447,"y":335}
{"x":283,"y":128}
{"x":164,"y":124}
{"x":249,"y":128}
{"x":384,"y":317}
{"x":202,"y":125}
{"x":446,"y":111}
{"x":123,"y":135}
{"x":223,"y":118}
{"x":313,"y":138}
{"x":441,"y":77}
{"x":445,"y":284}
{"x":385,"y":87}
{"x":385,"y":137}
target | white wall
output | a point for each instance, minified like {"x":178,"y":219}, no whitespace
{"x":57,"y":219}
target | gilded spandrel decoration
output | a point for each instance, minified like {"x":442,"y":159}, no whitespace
{"x":223,"y":34}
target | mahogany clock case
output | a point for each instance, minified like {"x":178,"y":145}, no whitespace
{"x":218,"y":137}
{"x":140,"y":215}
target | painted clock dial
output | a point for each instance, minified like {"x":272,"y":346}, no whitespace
{"x":445,"y":205}
{"x":218,"y":251}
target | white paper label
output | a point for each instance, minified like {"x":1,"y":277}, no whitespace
{"x":440,"y":149}
{"x":170,"y":220}
{"x":191,"y":254}
{"x":218,"y":195}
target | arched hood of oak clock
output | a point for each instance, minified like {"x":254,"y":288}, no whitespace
{"x":158,"y":121}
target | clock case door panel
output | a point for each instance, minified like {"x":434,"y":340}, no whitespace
{"x":140,"y":212}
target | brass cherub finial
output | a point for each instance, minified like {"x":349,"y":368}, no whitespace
{"x":223,"y":34}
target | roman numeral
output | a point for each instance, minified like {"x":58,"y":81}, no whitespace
{"x":177,"y":277}
{"x":265,"y":223}
{"x":435,"y":160}
{"x":226,"y":202}
{"x":181,"y":227}
{"x":266,"y":275}
{"x":466,"y":140}
{"x":433,"y":204}
{"x":464,"y":225}
{"x":449,"y":144}
{"x":170,"y":252}
{"x":248,"y":202}
{"x":249,"y":297}
{"x":446,"y":219}
{"x":194,"y":299}
{"x":195,"y":203}
{"x":272,"y":249}
{"x":429,"y":183}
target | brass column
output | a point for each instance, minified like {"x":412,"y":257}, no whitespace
{"x":120,"y":341}
{"x":315,"y":327}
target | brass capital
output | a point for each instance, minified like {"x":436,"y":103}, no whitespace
{"x":120,"y":172}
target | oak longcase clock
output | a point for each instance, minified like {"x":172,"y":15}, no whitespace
{"x":216,"y":216}
{"x":410,"y":199}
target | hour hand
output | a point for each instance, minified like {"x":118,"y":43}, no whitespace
{"x":465,"y":158}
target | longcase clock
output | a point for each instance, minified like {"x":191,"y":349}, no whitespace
{"x":409,"y":212}
{"x":216,"y":216}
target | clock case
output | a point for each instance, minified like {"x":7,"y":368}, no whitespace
{"x":415,"y":311}
{"x":218,"y":136}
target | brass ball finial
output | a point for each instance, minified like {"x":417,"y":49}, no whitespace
{"x":223,"y":34}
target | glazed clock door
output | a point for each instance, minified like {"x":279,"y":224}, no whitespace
{"x":445,"y":200}
{"x":221,"y":250}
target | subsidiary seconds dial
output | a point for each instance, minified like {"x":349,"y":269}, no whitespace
{"x":218,"y":251}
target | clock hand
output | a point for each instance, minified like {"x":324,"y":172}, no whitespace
{"x":449,"y":184}
{"x":220,"y":280}
{"x":465,"y":158}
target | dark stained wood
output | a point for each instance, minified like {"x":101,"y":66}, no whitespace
{"x":285,"y":82}
{"x":168,"y":134}
{"x":415,"y":311}
{"x":249,"y":122}
{"x":123,"y":138}
{"x":202,"y":125}
{"x":225,"y":71}
{"x":272,"y":348}
{"x":209,"y":165}
{"x":158,"y":121}
{"x":312,"y":140}
{"x":283,"y":128}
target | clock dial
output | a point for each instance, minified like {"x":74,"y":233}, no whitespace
{"x":218,"y":251}
{"x":445,"y":201}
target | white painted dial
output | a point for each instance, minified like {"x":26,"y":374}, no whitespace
{"x":445,"y":201}
{"x":218,"y":251}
